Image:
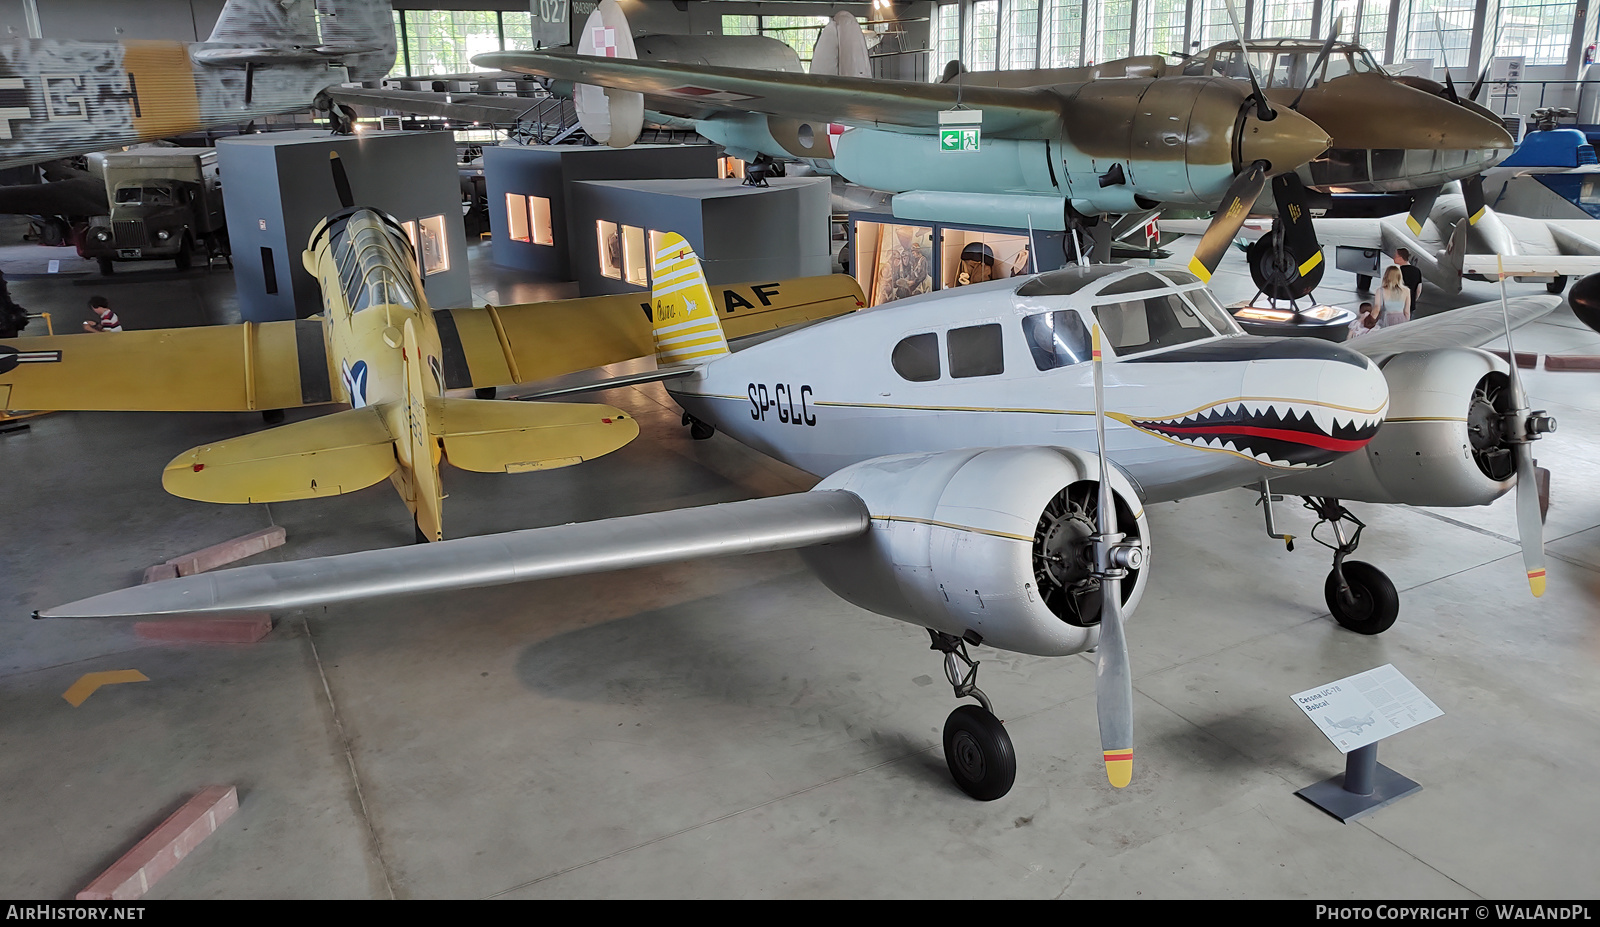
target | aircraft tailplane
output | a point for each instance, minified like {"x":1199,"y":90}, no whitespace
{"x":841,"y":48}
{"x":323,"y":456}
{"x":683,"y":318}
{"x":514,"y":437}
{"x":356,"y":33}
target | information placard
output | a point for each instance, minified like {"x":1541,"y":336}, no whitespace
{"x":1365,"y":708}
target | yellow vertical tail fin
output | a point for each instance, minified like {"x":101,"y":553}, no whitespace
{"x":683,"y":318}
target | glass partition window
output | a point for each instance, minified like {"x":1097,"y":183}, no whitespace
{"x":1163,"y":29}
{"x":946,"y":39}
{"x":976,"y":351}
{"x":983,"y":35}
{"x":1371,"y":25}
{"x":1056,"y":339}
{"x":539,"y":218}
{"x":1140,"y":325}
{"x":1022,"y":35}
{"x":1062,"y":34}
{"x":609,"y":239}
{"x":1430,"y":20}
{"x":1116,"y":21}
{"x":916,"y":358}
{"x":1539,"y":29}
{"x":1287,"y":19}
{"x":444,"y":41}
{"x":433,"y":250}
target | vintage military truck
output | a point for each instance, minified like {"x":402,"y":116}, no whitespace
{"x":166,"y":204}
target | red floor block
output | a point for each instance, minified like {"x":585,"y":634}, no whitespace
{"x":156,"y":855}
{"x":1571,"y":362}
{"x":159,"y":572}
{"x":243,"y":629}
{"x":229,"y":551}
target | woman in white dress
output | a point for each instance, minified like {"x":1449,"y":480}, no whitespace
{"x":1393,"y":300}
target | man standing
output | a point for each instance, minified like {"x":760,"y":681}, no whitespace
{"x":1409,"y":275}
{"x":108,"y":321}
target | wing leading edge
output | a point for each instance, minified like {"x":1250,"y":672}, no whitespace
{"x":1467,"y":327}
{"x":856,"y":101}
{"x":753,"y":526}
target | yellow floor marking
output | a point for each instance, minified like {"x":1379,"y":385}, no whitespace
{"x":88,"y":682}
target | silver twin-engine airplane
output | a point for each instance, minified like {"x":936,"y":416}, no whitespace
{"x":264,"y":57}
{"x":971,"y":444}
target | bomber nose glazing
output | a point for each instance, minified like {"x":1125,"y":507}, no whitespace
{"x":1285,"y":142}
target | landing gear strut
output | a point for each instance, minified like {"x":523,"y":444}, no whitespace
{"x":976,"y":746}
{"x":1359,"y":595}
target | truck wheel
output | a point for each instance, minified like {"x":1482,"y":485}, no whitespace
{"x":107,"y":267}
{"x":185,"y":258}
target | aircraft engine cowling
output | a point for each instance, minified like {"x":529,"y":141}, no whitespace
{"x":991,"y":542}
{"x":1440,"y":443}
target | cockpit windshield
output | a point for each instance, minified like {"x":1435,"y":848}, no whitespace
{"x":143,"y":196}
{"x":1283,"y":67}
{"x":372,"y":271}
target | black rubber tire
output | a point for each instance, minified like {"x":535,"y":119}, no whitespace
{"x":185,"y":257}
{"x":485,"y":392}
{"x":700,"y":431}
{"x":272,"y":416}
{"x":1555,"y":286}
{"x":979,"y":753}
{"x":1377,"y":604}
{"x":107,"y":266}
{"x":1363,"y":283}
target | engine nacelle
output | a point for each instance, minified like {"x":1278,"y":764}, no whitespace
{"x":1440,"y":443}
{"x":986,"y":541}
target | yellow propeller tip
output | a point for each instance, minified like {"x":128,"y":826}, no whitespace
{"x":1200,"y":270}
{"x":1536,"y":582}
{"x":1119,"y":767}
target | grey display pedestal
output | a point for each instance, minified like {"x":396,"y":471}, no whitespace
{"x":1365,"y":786}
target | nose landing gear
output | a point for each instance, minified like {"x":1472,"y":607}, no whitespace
{"x":976,"y":746}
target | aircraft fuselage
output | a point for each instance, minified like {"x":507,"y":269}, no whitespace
{"x":1193,"y":405}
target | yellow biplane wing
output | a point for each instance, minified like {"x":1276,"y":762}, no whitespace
{"x":501,"y":345}
{"x":213,"y":368}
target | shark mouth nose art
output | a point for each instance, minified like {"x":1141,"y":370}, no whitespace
{"x":1275,"y":432}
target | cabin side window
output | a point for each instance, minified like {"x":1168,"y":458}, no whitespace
{"x":1057,"y":339}
{"x":976,"y":351}
{"x":916,"y":357}
{"x":1140,"y":325}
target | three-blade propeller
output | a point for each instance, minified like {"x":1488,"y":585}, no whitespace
{"x":341,"y":180}
{"x":1113,"y":686}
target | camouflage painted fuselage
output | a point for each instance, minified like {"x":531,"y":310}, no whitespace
{"x":64,"y":98}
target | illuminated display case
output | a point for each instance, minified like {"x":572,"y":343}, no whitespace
{"x":1319,"y":320}
{"x":896,"y":258}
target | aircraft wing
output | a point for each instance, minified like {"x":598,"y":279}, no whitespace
{"x":1467,"y":327}
{"x":753,"y":526}
{"x":211,"y":368}
{"x":910,"y":106}
{"x":502,"y":345}
{"x":467,"y":107}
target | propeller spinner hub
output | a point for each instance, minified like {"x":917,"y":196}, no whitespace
{"x":1285,"y":142}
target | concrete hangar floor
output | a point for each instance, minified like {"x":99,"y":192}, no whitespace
{"x":732,"y":729}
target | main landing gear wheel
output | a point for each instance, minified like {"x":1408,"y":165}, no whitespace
{"x":1372,"y":604}
{"x":1554,"y":287}
{"x":698,"y":430}
{"x":978,"y":751}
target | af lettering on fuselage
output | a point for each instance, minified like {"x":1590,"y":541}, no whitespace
{"x":732,"y":302}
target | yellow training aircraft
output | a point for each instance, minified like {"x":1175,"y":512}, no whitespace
{"x":380,"y":349}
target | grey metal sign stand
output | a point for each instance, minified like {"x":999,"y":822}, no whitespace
{"x":1369,"y":707}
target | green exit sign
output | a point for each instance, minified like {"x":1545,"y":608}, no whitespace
{"x":962,"y":138}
